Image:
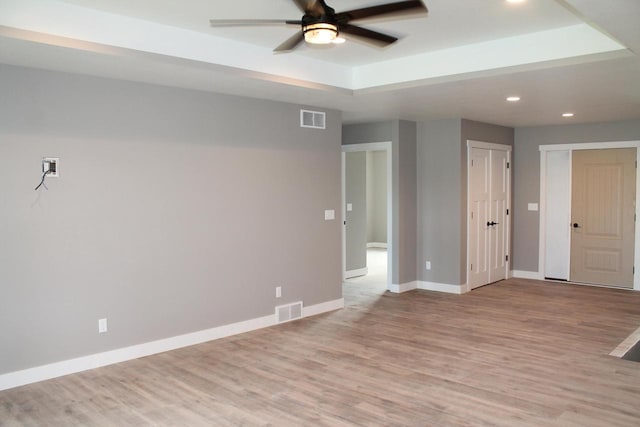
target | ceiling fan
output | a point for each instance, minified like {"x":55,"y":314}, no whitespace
{"x":320,"y":24}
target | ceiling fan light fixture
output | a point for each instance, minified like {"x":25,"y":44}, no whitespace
{"x":320,"y":33}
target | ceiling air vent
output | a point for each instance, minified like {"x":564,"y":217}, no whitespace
{"x":312,"y":119}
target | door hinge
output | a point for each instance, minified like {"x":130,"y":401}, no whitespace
{"x":471,"y":162}
{"x":507,"y":165}
{"x":506,"y":258}
{"x":507,"y":211}
{"x":471,"y":214}
{"x":471,"y":267}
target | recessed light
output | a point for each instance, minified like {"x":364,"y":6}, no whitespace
{"x":567,"y":114}
{"x":513,"y":98}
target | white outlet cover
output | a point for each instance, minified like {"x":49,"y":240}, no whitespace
{"x":428,"y":265}
{"x":349,"y":207}
{"x":329,"y":215}
{"x":278,"y":291}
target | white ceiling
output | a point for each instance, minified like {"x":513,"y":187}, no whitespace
{"x":460,"y":60}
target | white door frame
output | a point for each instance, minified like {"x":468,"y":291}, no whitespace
{"x":499,"y":147}
{"x":543,"y":194}
{"x":371,"y":146}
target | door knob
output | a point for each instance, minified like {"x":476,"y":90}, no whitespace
{"x":492,"y":223}
{"x":576,"y":225}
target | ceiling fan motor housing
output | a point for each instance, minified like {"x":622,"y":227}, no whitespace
{"x":321,"y":29}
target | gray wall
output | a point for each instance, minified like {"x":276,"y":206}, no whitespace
{"x":363,"y":133}
{"x":405,"y":211}
{"x":439,"y":201}
{"x":175,"y":211}
{"x":356,"y":195}
{"x":442,"y":194}
{"x":377,"y":196}
{"x":526,"y":174}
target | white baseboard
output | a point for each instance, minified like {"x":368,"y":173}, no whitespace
{"x":442,"y":287}
{"x":521,"y":274}
{"x":356,"y":273}
{"x":377,"y":245}
{"x":323,"y":307}
{"x":404,"y":287}
{"x":79,"y":364}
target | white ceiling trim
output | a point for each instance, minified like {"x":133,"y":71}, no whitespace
{"x":90,"y":25}
{"x":71,"y":21}
{"x":551,"y":45}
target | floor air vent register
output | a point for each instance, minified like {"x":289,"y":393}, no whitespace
{"x":288,"y":312}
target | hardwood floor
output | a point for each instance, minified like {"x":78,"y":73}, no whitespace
{"x":516,"y":353}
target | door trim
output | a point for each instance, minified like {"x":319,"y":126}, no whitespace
{"x":371,"y":146}
{"x":498,"y":147}
{"x":543,"y":184}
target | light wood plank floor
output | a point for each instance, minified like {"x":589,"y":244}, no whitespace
{"x":516,"y":353}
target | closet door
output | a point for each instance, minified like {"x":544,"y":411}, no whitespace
{"x":479,"y":210}
{"x":498,"y":232}
{"x":488,"y":218}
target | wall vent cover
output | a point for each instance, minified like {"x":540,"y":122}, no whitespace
{"x":288,"y":312}
{"x":312,"y":119}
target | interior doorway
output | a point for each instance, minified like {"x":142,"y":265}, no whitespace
{"x":375,"y":281}
{"x":367,"y":214}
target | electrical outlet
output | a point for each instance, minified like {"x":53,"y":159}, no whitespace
{"x":428,"y":265}
{"x":51,"y":164}
{"x":102,"y":326}
{"x":278,"y":291}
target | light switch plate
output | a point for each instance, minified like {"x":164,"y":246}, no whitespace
{"x":349,"y":207}
{"x":532,"y":206}
{"x":102,"y":326}
{"x":329,"y":215}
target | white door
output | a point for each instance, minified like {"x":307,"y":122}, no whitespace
{"x":488,"y":216}
{"x":479,"y":186}
{"x":498,"y":244}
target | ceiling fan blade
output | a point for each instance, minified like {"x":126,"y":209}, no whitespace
{"x":385,"y":9}
{"x":249,"y":22}
{"x":290,"y":43}
{"x":311,"y":7}
{"x":370,"y":36}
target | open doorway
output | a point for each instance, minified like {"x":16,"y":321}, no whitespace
{"x":367,"y":214}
